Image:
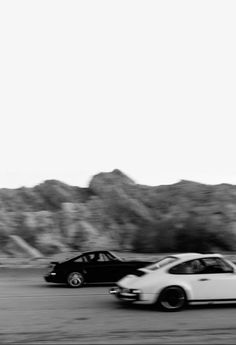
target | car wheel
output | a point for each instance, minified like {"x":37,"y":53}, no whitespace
{"x":172,"y":298}
{"x":75,"y":279}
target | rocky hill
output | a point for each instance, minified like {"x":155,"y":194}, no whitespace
{"x":115,"y":212}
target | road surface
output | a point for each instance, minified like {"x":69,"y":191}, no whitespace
{"x":34,"y":312}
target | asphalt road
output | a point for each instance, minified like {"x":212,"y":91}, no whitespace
{"x":34,"y":312}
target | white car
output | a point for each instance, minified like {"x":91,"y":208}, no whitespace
{"x":181,"y":279}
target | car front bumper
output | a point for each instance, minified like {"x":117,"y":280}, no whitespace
{"x":51,"y":278}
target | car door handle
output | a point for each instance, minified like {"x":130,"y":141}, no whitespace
{"x":203,"y":279}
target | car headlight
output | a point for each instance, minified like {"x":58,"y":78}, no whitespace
{"x":114,"y":290}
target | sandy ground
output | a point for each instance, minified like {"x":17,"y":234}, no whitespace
{"x":34,"y":312}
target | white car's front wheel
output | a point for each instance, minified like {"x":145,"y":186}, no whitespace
{"x":172,"y":298}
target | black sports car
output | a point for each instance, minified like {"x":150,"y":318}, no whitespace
{"x":91,"y":267}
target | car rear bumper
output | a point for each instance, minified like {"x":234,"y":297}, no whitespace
{"x":125,"y":294}
{"x":133,"y":295}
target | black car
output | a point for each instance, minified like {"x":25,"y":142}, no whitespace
{"x":91,"y":267}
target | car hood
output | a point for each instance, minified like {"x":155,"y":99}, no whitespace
{"x":59,"y":262}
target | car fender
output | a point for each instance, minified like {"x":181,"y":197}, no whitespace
{"x":66,"y":269}
{"x":182,"y":284}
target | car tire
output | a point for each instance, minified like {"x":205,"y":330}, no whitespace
{"x":172,"y":298}
{"x":75,"y":279}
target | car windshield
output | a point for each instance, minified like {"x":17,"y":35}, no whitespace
{"x":160,"y":263}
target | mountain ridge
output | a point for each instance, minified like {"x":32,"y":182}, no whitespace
{"x":115,"y":211}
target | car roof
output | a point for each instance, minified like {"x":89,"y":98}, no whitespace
{"x":189,"y":256}
{"x":95,"y":251}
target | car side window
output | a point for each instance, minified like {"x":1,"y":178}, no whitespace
{"x":105,"y":257}
{"x":81,"y":259}
{"x":189,"y":267}
{"x":216,"y":265}
{"x":97,"y":257}
{"x":94,"y":257}
{"x":85,"y":258}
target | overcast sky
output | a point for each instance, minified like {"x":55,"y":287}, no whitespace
{"x":147,"y":87}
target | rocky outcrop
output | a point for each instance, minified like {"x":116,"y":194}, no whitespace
{"x":103,"y":183}
{"x":116,"y":213}
{"x":116,"y":188}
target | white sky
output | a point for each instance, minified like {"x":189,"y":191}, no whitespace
{"x":148,"y":87}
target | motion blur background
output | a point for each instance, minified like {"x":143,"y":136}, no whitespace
{"x":117,"y":126}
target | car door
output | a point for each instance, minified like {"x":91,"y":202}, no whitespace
{"x":129,"y":267}
{"x":90,"y":266}
{"x":109,"y":268}
{"x":118,"y":269}
{"x":216,"y":282}
{"x":95,"y":268}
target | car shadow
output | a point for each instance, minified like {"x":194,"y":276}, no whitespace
{"x":212,"y":306}
{"x":136,"y":307}
{"x":155,"y":308}
{"x":55,"y":286}
{"x":61,"y":285}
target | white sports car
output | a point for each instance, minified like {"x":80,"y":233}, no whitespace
{"x":177,"y":280}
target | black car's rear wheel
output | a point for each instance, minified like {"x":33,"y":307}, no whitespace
{"x":172,"y":298}
{"x":75,"y":279}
